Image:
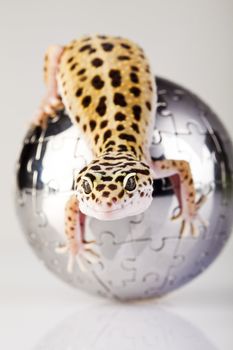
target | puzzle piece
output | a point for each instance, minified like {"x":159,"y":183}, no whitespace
{"x":53,"y":173}
{"x":164,"y":118}
{"x":156,"y":147}
{"x":108,"y":245}
{"x":185,"y":256}
{"x":150,"y":280}
{"x":128,"y":265}
{"x":62,"y":150}
{"x":36,"y":221}
{"x":29,"y":170}
{"x":178,"y":94}
{"x":55,"y":126}
{"x":139,"y":228}
{"x":43,"y":154}
{"x":172,"y":114}
{"x":20,"y":197}
{"x":156,"y":265}
{"x":223,"y":164}
{"x":190,"y":146}
{"x":193,"y":263}
{"x":113,"y":272}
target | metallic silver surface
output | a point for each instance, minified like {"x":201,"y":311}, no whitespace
{"x":140,"y":256}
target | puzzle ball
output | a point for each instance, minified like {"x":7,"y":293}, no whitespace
{"x":140,"y":256}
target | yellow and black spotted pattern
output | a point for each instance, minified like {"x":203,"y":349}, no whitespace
{"x":108,"y":89}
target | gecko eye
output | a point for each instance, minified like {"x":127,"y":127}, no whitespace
{"x":87,"y":185}
{"x":129,"y":182}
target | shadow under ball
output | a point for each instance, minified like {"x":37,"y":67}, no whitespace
{"x":140,"y":256}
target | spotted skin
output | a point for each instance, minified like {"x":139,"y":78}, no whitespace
{"x":106,"y":85}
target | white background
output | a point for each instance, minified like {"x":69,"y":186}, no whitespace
{"x":189,"y":42}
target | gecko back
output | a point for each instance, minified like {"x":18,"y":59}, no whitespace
{"x":108,"y":89}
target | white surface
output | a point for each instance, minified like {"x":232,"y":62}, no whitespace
{"x":36,"y":308}
{"x":188,"y":41}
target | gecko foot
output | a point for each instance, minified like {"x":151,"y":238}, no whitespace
{"x":190,"y":224}
{"x":48,"y":109}
{"x":83,"y":255}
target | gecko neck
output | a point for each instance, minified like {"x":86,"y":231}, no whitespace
{"x":120,"y":150}
{"x":114,"y":144}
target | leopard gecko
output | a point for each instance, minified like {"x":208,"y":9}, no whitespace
{"x":107,"y":88}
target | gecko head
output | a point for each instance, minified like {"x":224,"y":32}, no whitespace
{"x":114,"y":186}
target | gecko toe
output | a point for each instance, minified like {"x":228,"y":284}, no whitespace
{"x":176,"y":216}
{"x":182,"y":228}
{"x":91,"y":256}
{"x":70,"y":265}
{"x":194,"y":229}
{"x":81,"y":264}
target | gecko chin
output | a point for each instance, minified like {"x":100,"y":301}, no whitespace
{"x":116,"y":212}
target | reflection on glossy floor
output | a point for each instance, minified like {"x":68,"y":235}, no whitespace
{"x":125,"y":326}
{"x":38,"y":311}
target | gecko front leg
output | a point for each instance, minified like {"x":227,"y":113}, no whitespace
{"x":51,"y":102}
{"x":76,"y":246}
{"x":181,"y":178}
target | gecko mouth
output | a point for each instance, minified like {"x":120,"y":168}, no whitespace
{"x":117,"y":213}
